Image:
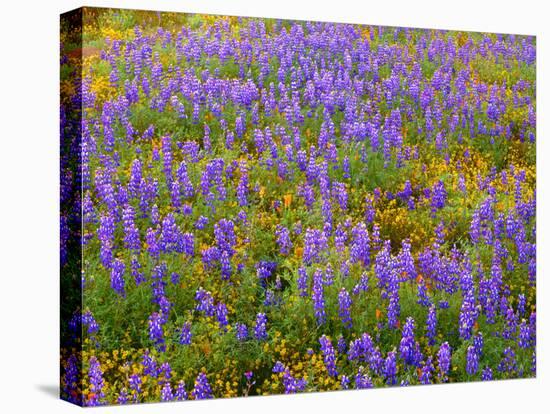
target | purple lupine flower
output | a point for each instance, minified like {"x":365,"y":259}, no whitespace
{"x":292,"y":385}
{"x":346,"y":167}
{"x":71,"y":380}
{"x":393,"y":309}
{"x":426,"y":372}
{"x":138,"y":276}
{"x":158,"y":283}
{"x":221,"y":315}
{"x":440,"y":233}
{"x":407,"y":344}
{"x":122,"y":396}
{"x":511,"y":324}
{"x":508,"y":363}
{"x":117,"y":277}
{"x":210,"y":256}
{"x":475,"y":227}
{"x":406,"y":260}
{"x":384,"y":265}
{"x":241,"y":331}
{"x":172,"y":240}
{"x":468,"y":315}
{"x":328,"y":355}
{"x":185,"y":334}
{"x":472,"y":361}
{"x":278,"y":367}
{"x":370,"y":211}
{"x":390,"y":369}
{"x":422,"y":293}
{"x":524,"y":337}
{"x":344,"y":304}
{"x":201,"y":222}
{"x":135,"y":385}
{"x":95,"y":375}
{"x":344,"y":271}
{"x":340,"y":194}
{"x":242,"y":217}
{"x":340,"y":238}
{"x":407,"y":191}
{"x":243,"y":186}
{"x":431,"y":325}
{"x":344,"y":382}
{"x":205,"y":302}
{"x":225,"y":263}
{"x":166,"y":371}
{"x":224,"y":232}
{"x":487,"y":374}
{"x":283,"y":239}
{"x":265,"y":269}
{"x":439,"y":196}
{"x":360,"y":245}
{"x":363,"y":285}
{"x":91,"y":324}
{"x":131,"y":233}
{"x":186,"y":244}
{"x":270,"y":298}
{"x":315,"y":243}
{"x":175,"y":278}
{"x":166,"y":393}
{"x":184,"y":183}
{"x":521,"y":304}
{"x":106,"y":235}
{"x":318,"y":297}
{"x":478,"y":344}
{"x":341,"y":345}
{"x":302,"y":281}
{"x":356,"y":350}
{"x":260,"y":330}
{"x":202,"y":388}
{"x":156,"y":333}
{"x":181,"y":393}
{"x":149,"y":365}
{"x":444,"y":360}
{"x":167,"y":157}
{"x":328,"y":277}
{"x":152,"y":245}
{"x":376,"y":362}
{"x":362,"y":380}
{"x":165,"y":307}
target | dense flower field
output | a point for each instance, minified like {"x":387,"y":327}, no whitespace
{"x":277,"y":207}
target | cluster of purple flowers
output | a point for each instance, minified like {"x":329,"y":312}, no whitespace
{"x":202,"y":389}
{"x":444,"y":360}
{"x":343,"y":119}
{"x":344,"y":304}
{"x":260,"y":328}
{"x":318,"y":297}
{"x":241,"y":331}
{"x":117,"y":277}
{"x":291,"y":384}
{"x":315,"y":243}
{"x":156,"y":332}
{"x":283,"y":239}
{"x":185,"y":334}
{"x":329,"y":355}
{"x":408,"y":347}
{"x":95,"y":373}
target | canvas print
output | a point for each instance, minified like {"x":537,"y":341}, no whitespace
{"x":254,"y":206}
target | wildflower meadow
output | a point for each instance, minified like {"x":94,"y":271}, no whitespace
{"x":255,"y":206}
